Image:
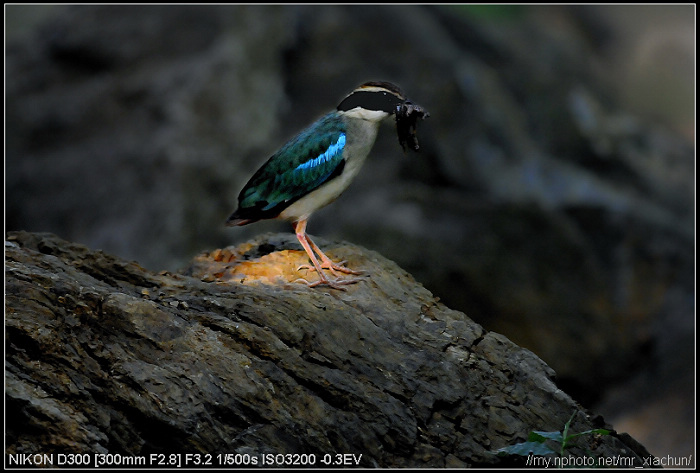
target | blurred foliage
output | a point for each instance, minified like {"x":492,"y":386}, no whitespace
{"x":491,"y":12}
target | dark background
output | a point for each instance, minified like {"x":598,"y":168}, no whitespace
{"x":553,"y":199}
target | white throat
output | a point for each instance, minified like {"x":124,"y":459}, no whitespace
{"x":364,"y":114}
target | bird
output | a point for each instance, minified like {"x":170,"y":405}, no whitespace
{"x":318,"y":164}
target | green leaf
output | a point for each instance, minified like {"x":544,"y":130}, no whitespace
{"x":565,"y":434}
{"x":526,"y":448}
{"x":568,"y":424}
{"x":539,"y":436}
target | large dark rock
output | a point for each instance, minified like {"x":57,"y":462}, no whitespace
{"x":539,"y":205}
{"x":104,"y":356}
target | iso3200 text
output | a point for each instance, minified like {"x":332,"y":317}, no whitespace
{"x":303,"y":459}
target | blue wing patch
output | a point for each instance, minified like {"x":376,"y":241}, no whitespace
{"x":329,"y":154}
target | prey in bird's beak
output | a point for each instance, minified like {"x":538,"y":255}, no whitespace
{"x":407,"y":115}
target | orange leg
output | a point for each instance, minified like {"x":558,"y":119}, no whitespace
{"x":310,"y":246}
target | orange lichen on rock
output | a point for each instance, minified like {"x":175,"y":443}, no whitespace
{"x":248,"y":262}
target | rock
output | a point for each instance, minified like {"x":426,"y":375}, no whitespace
{"x":232,"y":356}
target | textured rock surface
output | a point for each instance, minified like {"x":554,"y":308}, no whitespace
{"x":105,"y":356}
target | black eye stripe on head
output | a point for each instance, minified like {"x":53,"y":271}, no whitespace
{"x":379,"y":100}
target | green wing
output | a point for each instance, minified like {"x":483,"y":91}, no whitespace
{"x":303,"y":164}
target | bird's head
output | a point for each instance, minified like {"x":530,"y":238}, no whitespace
{"x":375,"y":101}
{"x":372,"y":101}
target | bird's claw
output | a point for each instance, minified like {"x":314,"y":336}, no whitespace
{"x":335,"y":284}
{"x":332,"y":267}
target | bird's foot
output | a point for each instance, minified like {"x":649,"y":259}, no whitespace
{"x":335,"y":283}
{"x":334,"y":268}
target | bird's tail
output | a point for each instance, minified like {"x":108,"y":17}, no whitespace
{"x":235,"y":221}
